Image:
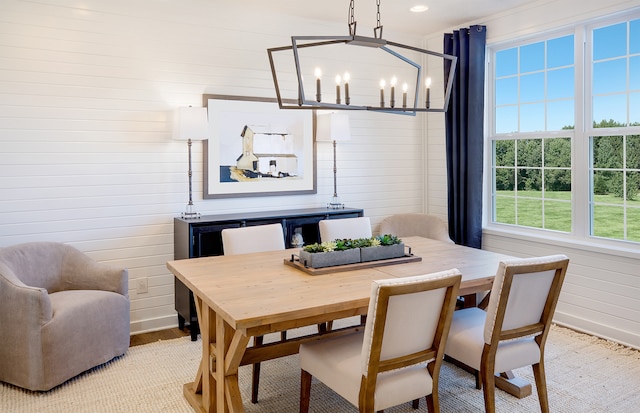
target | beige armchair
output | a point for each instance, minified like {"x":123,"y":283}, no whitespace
{"x":61,"y":313}
{"x":408,"y":225}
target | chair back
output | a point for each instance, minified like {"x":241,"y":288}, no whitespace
{"x":411,"y":224}
{"x":524,"y":297}
{"x":37,"y":264}
{"x":407,"y":324}
{"x":259,"y":238}
{"x":353,"y":228}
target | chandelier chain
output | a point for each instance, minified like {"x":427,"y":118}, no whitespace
{"x":378,"y":12}
{"x":351,"y":12}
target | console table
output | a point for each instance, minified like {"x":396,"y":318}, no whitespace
{"x":201,"y":237}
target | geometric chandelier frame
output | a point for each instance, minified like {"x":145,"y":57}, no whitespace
{"x":411,"y":106}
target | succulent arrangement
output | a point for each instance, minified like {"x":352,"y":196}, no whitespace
{"x":346,"y":244}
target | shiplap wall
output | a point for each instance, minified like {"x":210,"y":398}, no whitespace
{"x":601,"y":294}
{"x":87,"y":93}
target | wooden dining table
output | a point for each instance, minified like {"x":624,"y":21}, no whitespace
{"x":243,"y":296}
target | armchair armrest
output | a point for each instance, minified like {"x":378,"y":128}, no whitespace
{"x":23,"y":311}
{"x":80,"y":272}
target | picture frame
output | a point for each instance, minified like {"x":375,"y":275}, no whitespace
{"x":257,"y":149}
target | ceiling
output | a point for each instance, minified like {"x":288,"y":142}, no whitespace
{"x":394,"y":14}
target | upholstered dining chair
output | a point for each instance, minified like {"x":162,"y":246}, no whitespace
{"x":411,"y":224}
{"x":353,"y":228}
{"x":61,"y":313}
{"x":513,"y":331}
{"x":245,"y":240}
{"x":397,"y":357}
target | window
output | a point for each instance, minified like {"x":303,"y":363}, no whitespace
{"x":550,"y":163}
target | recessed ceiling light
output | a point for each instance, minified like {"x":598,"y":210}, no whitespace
{"x":419,"y":8}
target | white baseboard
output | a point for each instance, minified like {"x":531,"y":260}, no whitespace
{"x":626,"y":338}
{"x":154,"y":324}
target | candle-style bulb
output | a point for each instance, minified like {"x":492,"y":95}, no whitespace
{"x":338,"y":80}
{"x":428,"y":97}
{"x":347,"y":98}
{"x":382,"y":85}
{"x":405,"y":87}
{"x":318,"y":73}
{"x":392,"y":101}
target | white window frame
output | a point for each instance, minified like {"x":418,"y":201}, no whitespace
{"x":580,"y":136}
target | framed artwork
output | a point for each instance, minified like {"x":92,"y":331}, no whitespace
{"x":257,"y":149}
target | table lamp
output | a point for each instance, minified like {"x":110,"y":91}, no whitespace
{"x":333,"y":127}
{"x":191,"y":124}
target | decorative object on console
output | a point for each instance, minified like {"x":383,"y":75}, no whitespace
{"x":191,"y":124}
{"x":333,"y":127}
{"x":315,"y":55}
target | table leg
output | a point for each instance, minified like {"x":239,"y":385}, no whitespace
{"x":229,"y":348}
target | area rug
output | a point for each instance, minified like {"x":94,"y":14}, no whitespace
{"x":584,"y":374}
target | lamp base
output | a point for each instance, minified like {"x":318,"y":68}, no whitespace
{"x":335,"y":203}
{"x":190,"y":213}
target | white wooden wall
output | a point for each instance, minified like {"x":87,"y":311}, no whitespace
{"x":87,"y":93}
{"x":601,"y":294}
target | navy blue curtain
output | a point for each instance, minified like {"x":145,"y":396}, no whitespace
{"x":464,"y":129}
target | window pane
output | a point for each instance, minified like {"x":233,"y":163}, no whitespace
{"x":634,"y":109}
{"x":633,"y":184}
{"x":560,"y":115}
{"x":507,"y":91}
{"x":560,"y":52}
{"x":607,"y":152}
{"x":532,"y":87}
{"x":557,"y":215}
{"x":557,"y":153}
{"x":610,"y":111}
{"x":505,"y":153}
{"x":633,"y":152}
{"x":610,"y":41}
{"x":557,"y":184}
{"x":560,"y":83}
{"x":610,"y":76}
{"x":505,"y":179}
{"x":532,"y":57}
{"x":633,"y":224}
{"x":507,"y":119}
{"x":505,"y":209}
{"x":532,"y":117}
{"x":530,"y":212}
{"x":634,"y":72}
{"x":530,"y":153}
{"x":608,"y":221}
{"x":530,"y":182}
{"x":634,"y":36}
{"x":507,"y":62}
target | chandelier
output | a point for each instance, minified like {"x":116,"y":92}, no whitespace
{"x":367,"y":73}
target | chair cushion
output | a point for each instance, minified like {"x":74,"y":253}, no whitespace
{"x":466,"y":342}
{"x":336,"y":362}
{"x":88,"y":328}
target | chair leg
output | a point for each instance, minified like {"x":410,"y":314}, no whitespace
{"x":255,"y":379}
{"x":541,"y":385}
{"x":305,"y":391}
{"x":433,"y":405}
{"x":476,"y":374}
{"x":489,"y":390}
{"x":415,"y":404}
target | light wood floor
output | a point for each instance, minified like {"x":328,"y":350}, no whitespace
{"x":152,"y":337}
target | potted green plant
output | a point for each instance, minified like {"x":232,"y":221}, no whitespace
{"x":328,"y":254}
{"x":382,"y":247}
